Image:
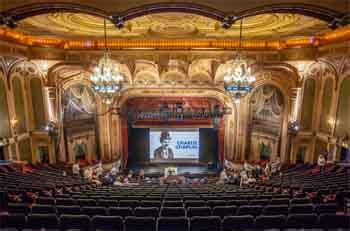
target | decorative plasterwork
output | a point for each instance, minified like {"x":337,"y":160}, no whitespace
{"x":170,"y":25}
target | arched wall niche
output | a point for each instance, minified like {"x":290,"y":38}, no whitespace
{"x":326,"y":105}
{"x":272,"y":78}
{"x":266,"y":122}
{"x":33,"y":80}
{"x":307,"y":109}
{"x":19,"y":102}
{"x":343,"y":109}
{"x":5,"y":129}
{"x":79,"y":122}
{"x":37,"y":98}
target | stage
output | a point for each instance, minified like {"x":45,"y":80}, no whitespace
{"x":191,"y":170}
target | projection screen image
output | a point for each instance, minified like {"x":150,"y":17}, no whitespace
{"x":174,"y":144}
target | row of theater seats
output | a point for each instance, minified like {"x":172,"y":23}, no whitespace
{"x":208,"y":223}
{"x":38,"y":178}
{"x":169,"y":203}
{"x":254,"y":210}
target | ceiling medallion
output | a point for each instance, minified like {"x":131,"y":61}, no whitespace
{"x":106,"y":77}
{"x":238,"y":78}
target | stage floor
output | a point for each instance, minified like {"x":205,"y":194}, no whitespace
{"x":152,"y":169}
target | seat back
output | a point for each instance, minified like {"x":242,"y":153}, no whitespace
{"x":270,"y":222}
{"x":140,"y":223}
{"x":17,"y":221}
{"x":120,"y":211}
{"x":302,"y":221}
{"x":301,"y":208}
{"x":326,"y":208}
{"x":73,"y":209}
{"x":93,"y":210}
{"x":198,"y":211}
{"x":107,"y":222}
{"x":146,"y":212}
{"x":75,"y":221}
{"x":230,"y":223}
{"x":38,"y":221}
{"x":173,"y":212}
{"x":223,"y":211}
{"x":250,"y":210}
{"x":207,"y":223}
{"x":172,"y":224}
{"x":276,"y":210}
{"x":334,"y":221}
{"x":37,"y":208}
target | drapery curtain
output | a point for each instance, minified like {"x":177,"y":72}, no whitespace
{"x":79,"y":103}
{"x":266,"y":102}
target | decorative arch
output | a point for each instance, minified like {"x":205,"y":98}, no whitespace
{"x":118,"y":18}
{"x":267,"y":114}
{"x":273,"y":79}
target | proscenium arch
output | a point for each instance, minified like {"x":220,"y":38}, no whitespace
{"x":118,"y":18}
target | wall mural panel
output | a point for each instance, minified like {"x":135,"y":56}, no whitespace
{"x":343,"y":113}
{"x":19,"y":105}
{"x":4,"y":114}
{"x":308,"y":102}
{"x":37,"y":102}
{"x":326,"y":105}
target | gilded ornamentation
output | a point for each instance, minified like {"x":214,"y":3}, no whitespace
{"x":170,"y":25}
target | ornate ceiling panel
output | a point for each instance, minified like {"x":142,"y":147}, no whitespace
{"x":221,"y":5}
{"x":171,"y":25}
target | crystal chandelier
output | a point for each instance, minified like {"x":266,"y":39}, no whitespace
{"x":238,"y":79}
{"x":106,"y":76}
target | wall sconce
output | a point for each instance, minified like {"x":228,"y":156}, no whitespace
{"x":294,"y":127}
{"x":331,"y":123}
{"x":14,"y":123}
{"x":4,"y":141}
{"x":44,"y":66}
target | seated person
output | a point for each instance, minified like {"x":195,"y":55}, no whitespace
{"x":141,"y":174}
{"x":76,"y":169}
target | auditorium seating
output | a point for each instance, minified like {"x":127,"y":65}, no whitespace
{"x":157,"y":207}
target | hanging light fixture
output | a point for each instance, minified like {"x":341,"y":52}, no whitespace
{"x":106,"y":76}
{"x":238,"y":79}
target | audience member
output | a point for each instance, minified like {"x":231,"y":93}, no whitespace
{"x":321,"y":162}
{"x":276,"y":166}
{"x":76,"y":169}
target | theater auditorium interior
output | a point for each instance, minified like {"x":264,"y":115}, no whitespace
{"x":212,"y":115}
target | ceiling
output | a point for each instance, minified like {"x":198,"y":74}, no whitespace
{"x":221,"y":5}
{"x":172,"y":25}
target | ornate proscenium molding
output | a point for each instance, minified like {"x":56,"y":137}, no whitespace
{"x":176,"y":112}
